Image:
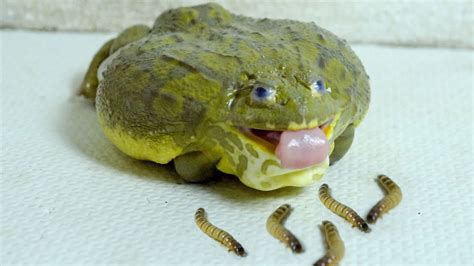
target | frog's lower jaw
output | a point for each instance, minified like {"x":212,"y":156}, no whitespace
{"x":274,"y":176}
{"x":255,"y":163}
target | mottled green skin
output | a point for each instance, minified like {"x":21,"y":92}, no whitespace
{"x":195,"y":68}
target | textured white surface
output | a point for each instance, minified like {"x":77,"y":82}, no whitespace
{"x":68,"y":196}
{"x":408,"y":22}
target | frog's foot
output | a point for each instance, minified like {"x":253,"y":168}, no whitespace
{"x":89,"y":85}
{"x":342,"y":144}
{"x":195,"y":166}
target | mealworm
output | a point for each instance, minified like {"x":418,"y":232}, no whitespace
{"x":342,"y":210}
{"x":392,"y":198}
{"x":217,"y":234}
{"x":277,"y":230}
{"x":335,"y":244}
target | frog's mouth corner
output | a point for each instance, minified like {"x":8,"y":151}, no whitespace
{"x":297,"y":149}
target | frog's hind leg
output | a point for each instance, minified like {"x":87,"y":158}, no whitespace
{"x":89,"y":84}
{"x":195,"y":166}
{"x":342,"y":144}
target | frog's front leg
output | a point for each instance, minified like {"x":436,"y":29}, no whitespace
{"x":89,"y":84}
{"x":195,"y":166}
{"x":342,"y":144}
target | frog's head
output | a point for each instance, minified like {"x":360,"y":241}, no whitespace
{"x":289,"y":101}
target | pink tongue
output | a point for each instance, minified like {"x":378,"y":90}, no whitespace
{"x":302,"y":148}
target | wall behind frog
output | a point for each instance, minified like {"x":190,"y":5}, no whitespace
{"x":399,"y":22}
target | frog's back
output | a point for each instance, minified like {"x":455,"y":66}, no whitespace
{"x":222,"y":46}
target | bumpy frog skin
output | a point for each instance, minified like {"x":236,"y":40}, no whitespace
{"x":186,"y":90}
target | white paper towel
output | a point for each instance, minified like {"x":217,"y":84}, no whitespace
{"x":69,"y":196}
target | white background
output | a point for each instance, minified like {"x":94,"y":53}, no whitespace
{"x":446,"y":23}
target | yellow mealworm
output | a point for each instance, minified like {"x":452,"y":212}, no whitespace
{"x":335,"y":244}
{"x":216,"y":233}
{"x":342,"y":210}
{"x":392,"y":198}
{"x":277,"y":230}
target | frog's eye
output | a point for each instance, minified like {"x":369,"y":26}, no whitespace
{"x":319,"y":87}
{"x":263,"y":93}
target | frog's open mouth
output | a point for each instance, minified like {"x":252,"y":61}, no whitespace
{"x":297,"y":149}
{"x":273,"y":136}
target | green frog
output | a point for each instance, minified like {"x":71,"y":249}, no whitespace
{"x":273,"y":102}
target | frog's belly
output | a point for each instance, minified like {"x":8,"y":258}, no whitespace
{"x":160,"y":149}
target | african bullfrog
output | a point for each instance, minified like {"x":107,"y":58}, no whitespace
{"x":272,"y":102}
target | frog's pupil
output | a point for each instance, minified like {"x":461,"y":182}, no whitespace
{"x":261,"y":92}
{"x":320,"y":85}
